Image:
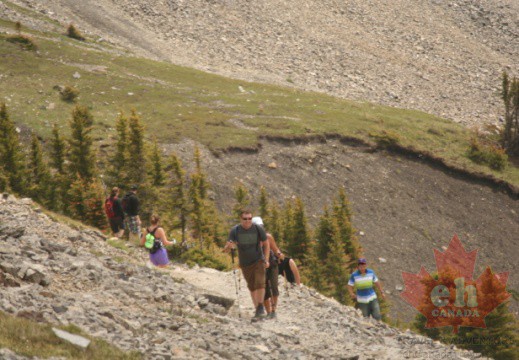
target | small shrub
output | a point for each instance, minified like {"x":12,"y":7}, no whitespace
{"x":205,"y":258}
{"x":69,"y":94}
{"x":24,"y":41}
{"x":386,"y":139}
{"x":74,"y":33}
{"x":18,"y":27}
{"x":487,"y":154}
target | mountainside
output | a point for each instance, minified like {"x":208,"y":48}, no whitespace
{"x":52,"y":273}
{"x":445,"y":58}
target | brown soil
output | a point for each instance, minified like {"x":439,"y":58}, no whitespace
{"x":403,"y":207}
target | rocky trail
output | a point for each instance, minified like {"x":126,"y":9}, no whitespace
{"x":52,"y":273}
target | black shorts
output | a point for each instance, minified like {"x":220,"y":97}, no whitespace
{"x":116,"y":224}
{"x":271,"y":288}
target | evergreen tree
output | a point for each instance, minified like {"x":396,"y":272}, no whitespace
{"x":299,"y":238}
{"x":11,"y":155}
{"x":242,"y":199}
{"x":324,"y":235}
{"x":81,"y":154}
{"x":274,"y":224}
{"x":263,"y":204}
{"x":203,"y":186}
{"x":86,"y":202}
{"x":119,"y":170}
{"x":197,"y":195}
{"x":137,"y":162}
{"x":58,"y":150}
{"x":335,"y":270}
{"x":510,"y":96}
{"x":39,"y":175}
{"x":156,"y":162}
{"x":178,"y":205}
{"x":342,"y":216}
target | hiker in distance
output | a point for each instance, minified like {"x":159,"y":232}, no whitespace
{"x":271,"y":286}
{"x":114,"y":211}
{"x":362,"y":281}
{"x":154,"y":239}
{"x":252,"y":244}
{"x":131,"y":209}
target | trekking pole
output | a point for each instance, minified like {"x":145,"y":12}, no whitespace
{"x":236,"y":283}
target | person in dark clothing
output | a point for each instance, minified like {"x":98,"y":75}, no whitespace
{"x":288,"y":269}
{"x":114,"y":211}
{"x":131,"y":210}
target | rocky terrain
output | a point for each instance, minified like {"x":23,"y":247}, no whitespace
{"x":50,"y":272}
{"x":442,"y":57}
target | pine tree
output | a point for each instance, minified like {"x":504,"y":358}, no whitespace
{"x":58,"y":150}
{"x":11,"y":154}
{"x":297,"y":242}
{"x":197,"y":195}
{"x":263,"y":204}
{"x":510,"y":96}
{"x":203,"y":186}
{"x":287,"y":226}
{"x":242,"y":199}
{"x":335,"y":269}
{"x":178,"y":205}
{"x":274,"y":224}
{"x":81,"y":154}
{"x":342,"y":214}
{"x":119,"y":161}
{"x":39,"y":175}
{"x":86,"y":202}
{"x":324,"y":235}
{"x":137,"y":162}
{"x":156,"y":163}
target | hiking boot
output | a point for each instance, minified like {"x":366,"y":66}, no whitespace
{"x":272,"y":315}
{"x":260,"y":313}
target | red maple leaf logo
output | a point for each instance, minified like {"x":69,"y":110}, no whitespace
{"x":452,"y":297}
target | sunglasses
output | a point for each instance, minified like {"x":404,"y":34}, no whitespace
{"x":247,"y":218}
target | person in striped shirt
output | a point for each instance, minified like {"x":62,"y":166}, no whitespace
{"x":362,"y":281}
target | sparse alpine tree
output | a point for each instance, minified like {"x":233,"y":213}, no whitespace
{"x":39,"y":175}
{"x":342,"y":216}
{"x":336,"y":270}
{"x":58,"y":150}
{"x":297,"y":242}
{"x":510,"y":133}
{"x":242,"y":198}
{"x":324,"y":235}
{"x":137,"y":162}
{"x":179,"y":205}
{"x":81,"y":153}
{"x":197,"y":196}
{"x":263,"y":204}
{"x":120,"y":158}
{"x":274,"y":224}
{"x":157,"y":174}
{"x":11,"y":153}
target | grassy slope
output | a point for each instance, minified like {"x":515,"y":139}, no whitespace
{"x":176,"y":102}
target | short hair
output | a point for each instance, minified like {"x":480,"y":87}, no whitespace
{"x":245,"y":211}
{"x":154,"y":219}
{"x":115,"y":190}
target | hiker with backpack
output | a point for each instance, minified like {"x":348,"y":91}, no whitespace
{"x":271,"y":275}
{"x":363,"y":281}
{"x":114,"y":212}
{"x":288,"y":269}
{"x":252,"y":244}
{"x":131,"y":209}
{"x":154,"y":240}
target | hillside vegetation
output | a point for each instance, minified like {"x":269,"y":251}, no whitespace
{"x":177,"y":102}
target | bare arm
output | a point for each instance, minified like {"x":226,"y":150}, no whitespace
{"x":379,"y":287}
{"x":272,"y":244}
{"x":266,"y":252}
{"x":143,"y":237}
{"x":162,"y":236}
{"x":294,"y":269}
{"x":352,"y":292}
{"x":228,"y":246}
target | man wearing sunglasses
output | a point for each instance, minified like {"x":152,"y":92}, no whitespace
{"x":252,"y":244}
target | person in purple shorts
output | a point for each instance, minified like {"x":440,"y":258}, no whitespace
{"x":158,"y":257}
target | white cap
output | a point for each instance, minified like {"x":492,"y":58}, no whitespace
{"x":257,"y":220}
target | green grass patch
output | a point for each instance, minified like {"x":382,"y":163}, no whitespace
{"x":176,"y":102}
{"x":118,"y":244}
{"x":29,"y":338}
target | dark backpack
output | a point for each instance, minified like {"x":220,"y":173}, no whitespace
{"x":152,"y":243}
{"x":125,"y":202}
{"x":109,"y":207}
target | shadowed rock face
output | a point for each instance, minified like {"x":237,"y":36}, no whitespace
{"x":137,"y":308}
{"x":445,"y":58}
